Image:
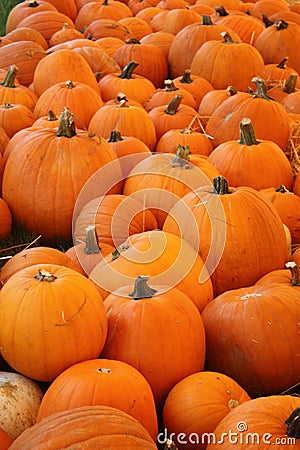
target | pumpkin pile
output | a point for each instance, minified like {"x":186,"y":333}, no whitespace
{"x":152,"y":148}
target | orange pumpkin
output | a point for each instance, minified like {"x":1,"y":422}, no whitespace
{"x":43,"y":320}
{"x":107,"y":427}
{"x":198,"y":143}
{"x":24,"y":9}
{"x":15,"y":117}
{"x":5,"y":440}
{"x":106,"y":9}
{"x":162,"y":97}
{"x":27,"y":34}
{"x":64,"y":34}
{"x":104,"y":382}
{"x":16,"y":93}
{"x":196,"y":85}
{"x":166,"y":316}
{"x":5,"y":219}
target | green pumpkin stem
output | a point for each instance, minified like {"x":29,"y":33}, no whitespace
{"x":295,"y":272}
{"x":115,"y":136}
{"x":247,"y":134}
{"x":9,"y":80}
{"x":66,"y":125}
{"x":181,"y":159}
{"x":141,"y":289}
{"x":174,"y":105}
{"x":44,"y":275}
{"x":91,"y":243}
{"x":128,"y":70}
{"x":221,"y":186}
{"x":293,"y":424}
{"x":261,"y":89}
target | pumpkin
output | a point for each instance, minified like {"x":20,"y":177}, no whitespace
{"x":279,"y":40}
{"x":224,"y":122}
{"x":238,"y":161}
{"x":138,"y":27}
{"x":198,"y":143}
{"x":125,"y":118}
{"x":105,"y":382}
{"x":25,"y":55}
{"x":197,"y":403}
{"x":232,"y":54}
{"x":41,"y":148}
{"x":178,"y":18}
{"x":247,"y":27}
{"x":273,"y":419}
{"x":277,"y":74}
{"x":27,"y":34}
{"x":262,"y":312}
{"x":115,"y":217}
{"x":211,"y":100}
{"x":106,"y":9}
{"x":15,"y":117}
{"x":104,"y":426}
{"x":109,"y":44}
{"x":284,"y":90}
{"x":61,"y":66}
{"x":196,"y":85}
{"x":268,"y":8}
{"x":288,"y":206}
{"x":35,"y":255}
{"x":106,"y":28}
{"x":191,"y":39}
{"x":16,"y":93}
{"x":41,"y":328}
{"x":5,"y":219}
{"x":64,"y":34}
{"x":160,"y":180}
{"x":152,"y":62}
{"x":50,"y":120}
{"x":4,"y":140}
{"x":68,"y":7}
{"x":5,"y":440}
{"x":242,"y":227}
{"x":80,"y":98}
{"x":161,"y":97}
{"x":166,"y":258}
{"x":135,"y":87}
{"x":86,"y":254}
{"x":25,"y":9}
{"x":290,"y":102}
{"x":162,"y":39}
{"x":20,"y":399}
{"x":173,"y":323}
{"x":99,"y":61}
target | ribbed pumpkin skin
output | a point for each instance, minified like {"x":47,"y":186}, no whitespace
{"x":49,"y":160}
{"x":249,"y":229}
{"x":46,"y":326}
{"x":89,"y":427}
{"x":104,"y":382}
{"x":25,"y":9}
{"x":264,"y":416}
{"x":268,"y":117}
{"x":248,"y":349}
{"x":239,"y":63}
{"x":199,"y":402}
{"x":170,"y":321}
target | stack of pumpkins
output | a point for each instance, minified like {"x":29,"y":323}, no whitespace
{"x":159,"y":141}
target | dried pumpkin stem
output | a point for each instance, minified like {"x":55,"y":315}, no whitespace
{"x":283,"y":63}
{"x":51,"y":116}
{"x":281,"y":25}
{"x":174,"y":105}
{"x":69,"y":84}
{"x":290,"y":85}
{"x":170,"y":86}
{"x":66,"y":125}
{"x":282,"y":189}
{"x":227,"y":39}
{"x":141,"y":288}
{"x":128,"y":70}
{"x":206,"y":20}
{"x":295,"y":272}
{"x":44,"y":275}
{"x":115,"y":136}
{"x":9,"y":80}
{"x":266,"y":21}
{"x":91,"y":243}
{"x":221,"y":11}
{"x":181,"y":159}
{"x":247,"y":134}
{"x":186,"y":77}
{"x":32,"y":4}
{"x":220,"y":185}
{"x":293,"y":424}
{"x":261,"y":87}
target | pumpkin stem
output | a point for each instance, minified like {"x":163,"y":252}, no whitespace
{"x":66,"y":125}
{"x":32,"y":4}
{"x":220,"y":185}
{"x":282,"y":189}
{"x":121,"y":100}
{"x":290,"y":85}
{"x":116,"y":253}
{"x":174,"y":105}
{"x":103,"y":370}
{"x":295,"y":271}
{"x":247,"y":135}
{"x":186,"y":77}
{"x":283,"y":63}
{"x":232,"y":90}
{"x":128,"y":70}
{"x":8,"y":106}
{"x":9,"y":80}
{"x":170,"y":86}
{"x":51,"y":116}
{"x":266,"y":21}
{"x":69,"y":84}
{"x":221,"y":11}
{"x":227,"y":39}
{"x":91,"y":243}
{"x":293,"y":424}
{"x":141,"y":288}
{"x":44,"y":275}
{"x":65,"y":26}
{"x":261,"y":89}
{"x":206,"y":20}
{"x":132,"y":41}
{"x":105,"y":2}
{"x":169,"y":445}
{"x":115,"y":136}
{"x":281,"y":25}
{"x":181,"y":159}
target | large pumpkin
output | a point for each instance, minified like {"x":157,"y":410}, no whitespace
{"x":86,"y":426}
{"x":105,"y":382}
{"x":51,"y":167}
{"x":51,"y":317}
{"x":169,"y":320}
{"x":241,"y":234}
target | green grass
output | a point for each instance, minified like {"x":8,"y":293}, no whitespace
{"x":5,"y":8}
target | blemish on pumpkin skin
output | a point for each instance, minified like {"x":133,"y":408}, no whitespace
{"x":8,"y":389}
